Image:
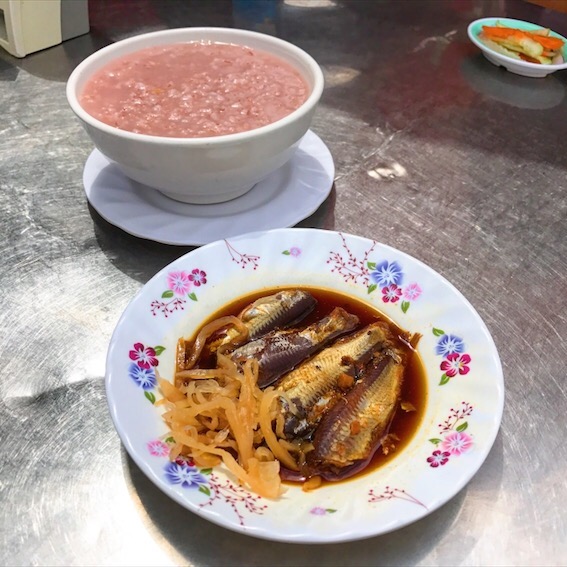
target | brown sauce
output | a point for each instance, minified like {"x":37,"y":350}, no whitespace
{"x":414,"y":388}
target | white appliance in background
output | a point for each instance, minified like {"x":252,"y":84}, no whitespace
{"x":27,"y":26}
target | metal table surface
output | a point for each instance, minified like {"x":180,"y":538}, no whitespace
{"x":438,"y":153}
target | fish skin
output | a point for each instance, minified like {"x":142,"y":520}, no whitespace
{"x":279,"y":352}
{"x":284,"y":308}
{"x":313,"y":387}
{"x":354,"y":428}
{"x":269,"y":313}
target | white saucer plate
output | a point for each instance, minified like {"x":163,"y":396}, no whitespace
{"x":284,"y":198}
{"x":465,"y":389}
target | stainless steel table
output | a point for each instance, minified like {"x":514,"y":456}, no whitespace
{"x":437,"y":153}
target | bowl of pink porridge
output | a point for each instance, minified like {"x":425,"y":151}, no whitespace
{"x":200,"y":114}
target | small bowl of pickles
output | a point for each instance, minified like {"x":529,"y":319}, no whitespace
{"x":521,"y":47}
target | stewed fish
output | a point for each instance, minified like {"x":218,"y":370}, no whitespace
{"x":280,"y":351}
{"x":298,"y":384}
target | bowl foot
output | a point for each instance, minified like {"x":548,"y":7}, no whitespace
{"x":205,"y":199}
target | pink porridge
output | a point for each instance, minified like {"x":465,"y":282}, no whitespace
{"x":194,"y":90}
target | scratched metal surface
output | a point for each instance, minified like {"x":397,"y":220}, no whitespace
{"x":437,"y":153}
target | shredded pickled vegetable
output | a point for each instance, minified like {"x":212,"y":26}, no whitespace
{"x":221,"y":415}
{"x":205,"y":333}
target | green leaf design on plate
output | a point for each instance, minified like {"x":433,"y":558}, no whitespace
{"x":169,"y":440}
{"x":206,"y":471}
{"x":204,"y":489}
{"x":372,"y":287}
{"x":438,"y":332}
{"x":462,"y":427}
{"x":286,"y":253}
{"x":167,"y":294}
{"x":435,"y":441}
{"x":444,"y":380}
{"x":405,"y":306}
{"x":193,"y":296}
{"x":371,"y":265}
{"x":159,"y":349}
{"x":330,"y":510}
{"x":150,"y":397}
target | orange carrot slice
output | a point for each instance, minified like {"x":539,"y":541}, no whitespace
{"x":527,"y":58}
{"x":549,"y":43}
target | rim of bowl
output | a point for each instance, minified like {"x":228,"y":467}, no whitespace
{"x":308,"y":104}
{"x":549,"y":68}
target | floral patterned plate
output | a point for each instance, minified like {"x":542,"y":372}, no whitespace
{"x":463,"y":372}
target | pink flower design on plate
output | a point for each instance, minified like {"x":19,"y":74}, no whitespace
{"x":456,"y":363}
{"x":438,"y":458}
{"x":145,"y":357}
{"x":179,"y":282}
{"x":412,"y":292}
{"x":198,"y":277}
{"x":391,"y":293}
{"x":457,"y":443}
{"x":295,"y":251}
{"x":158,"y":448}
{"x":320,"y":511}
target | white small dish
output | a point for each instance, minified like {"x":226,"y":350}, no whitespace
{"x":465,"y":389}
{"x":519,"y":67}
{"x":284,"y":198}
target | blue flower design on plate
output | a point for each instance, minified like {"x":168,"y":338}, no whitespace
{"x":449,"y":344}
{"x":185,"y":475}
{"x":144,"y":377}
{"x":387,"y":273}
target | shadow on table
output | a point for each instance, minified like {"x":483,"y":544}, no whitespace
{"x":202,"y":543}
{"x":324,"y":216}
{"x":141,"y":259}
{"x":513,"y":90}
{"x":136,"y":257}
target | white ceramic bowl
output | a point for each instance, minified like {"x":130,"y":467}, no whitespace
{"x":200,"y":170}
{"x":516,"y":66}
